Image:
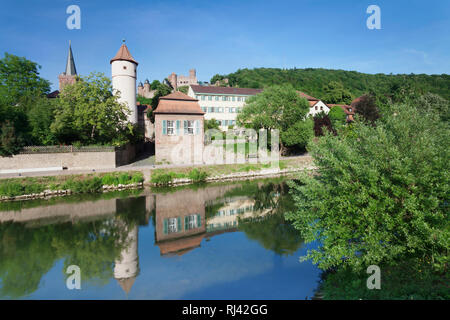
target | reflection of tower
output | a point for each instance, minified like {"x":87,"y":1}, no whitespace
{"x":123,"y":68}
{"x":126,"y":268}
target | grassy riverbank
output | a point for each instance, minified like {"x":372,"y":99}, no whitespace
{"x":198,"y":174}
{"x":81,"y":183}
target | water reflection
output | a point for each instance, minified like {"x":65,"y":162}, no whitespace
{"x":101,"y":234}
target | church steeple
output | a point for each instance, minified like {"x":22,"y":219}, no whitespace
{"x":70,"y":75}
{"x":70,"y":66}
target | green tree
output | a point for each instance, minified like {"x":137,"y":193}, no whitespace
{"x":299,"y":134}
{"x":434,"y":103}
{"x":161,"y":91}
{"x":155,"y":84}
{"x":336,"y":93}
{"x":20,"y":88}
{"x":10,"y":143}
{"x":183,"y":89}
{"x":88,"y":112}
{"x":40,"y":116}
{"x":277,"y":107}
{"x":367,"y":108}
{"x":337,"y":117}
{"x":380,"y":195}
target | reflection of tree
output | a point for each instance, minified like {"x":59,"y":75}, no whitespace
{"x":27,"y":254}
{"x":271,"y":231}
{"x":24,"y":258}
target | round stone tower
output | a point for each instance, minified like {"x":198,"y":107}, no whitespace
{"x":124,"y":71}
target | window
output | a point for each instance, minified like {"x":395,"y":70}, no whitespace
{"x":124,"y":68}
{"x":238,"y":98}
{"x":227,"y":110}
{"x":192,"y":221}
{"x":233,"y":110}
{"x":349,"y":109}
{"x":220,"y":110}
{"x":315,"y":108}
{"x":170,"y":127}
{"x":224,"y":98}
{"x":210,"y":109}
{"x":217,"y":98}
{"x":203,"y":98}
{"x":172,"y":225}
{"x":204,"y":109}
{"x":225,"y":122}
{"x":209,"y":98}
{"x":321,"y":108}
{"x":233,"y":99}
{"x":189,"y":126}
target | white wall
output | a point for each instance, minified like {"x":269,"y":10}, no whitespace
{"x":319,"y":105}
{"x":225,"y":105}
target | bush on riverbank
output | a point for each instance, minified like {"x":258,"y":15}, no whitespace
{"x":75,"y":183}
{"x":412,"y":279}
{"x":161,"y":177}
{"x":380,"y":195}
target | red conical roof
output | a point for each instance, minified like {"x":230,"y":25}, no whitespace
{"x":124,"y":54}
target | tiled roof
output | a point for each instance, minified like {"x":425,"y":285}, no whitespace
{"x":309,"y":98}
{"x":225,"y":90}
{"x":344,"y":107}
{"x":124,"y":54}
{"x":178,"y":103}
{"x":53,"y":94}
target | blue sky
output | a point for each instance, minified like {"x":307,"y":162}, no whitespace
{"x":222,"y":36}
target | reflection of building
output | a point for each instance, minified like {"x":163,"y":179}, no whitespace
{"x":181,"y":220}
{"x":234,"y":210}
{"x":126,"y":267}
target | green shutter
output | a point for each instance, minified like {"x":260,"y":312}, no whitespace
{"x":179,"y":224}
{"x":178,"y":127}
{"x":185,"y":222}
{"x":165,"y":226}
{"x":164,"y":127}
{"x":197,"y":127}
{"x":185,"y":123}
{"x":199,"y":221}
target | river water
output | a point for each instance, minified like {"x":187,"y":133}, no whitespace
{"x":213,"y":241}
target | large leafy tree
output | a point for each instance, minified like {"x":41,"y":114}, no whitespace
{"x":20,"y":89}
{"x":336,"y":93}
{"x":277,"y":107}
{"x":89,"y":113}
{"x":337,"y":117}
{"x":367,"y":108}
{"x":380,"y":195}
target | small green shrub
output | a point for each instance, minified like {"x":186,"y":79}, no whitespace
{"x":160,"y":177}
{"x":109,"y":180}
{"x":11,"y":189}
{"x":137,"y":177}
{"x":197,"y":175}
{"x":124,"y":178}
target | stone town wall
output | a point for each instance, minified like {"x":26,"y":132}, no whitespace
{"x":70,"y":160}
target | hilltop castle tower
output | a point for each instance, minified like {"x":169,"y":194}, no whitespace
{"x":124,"y":71}
{"x":70,"y":75}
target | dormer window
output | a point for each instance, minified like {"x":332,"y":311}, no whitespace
{"x":124,"y":67}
